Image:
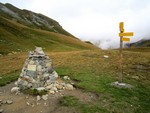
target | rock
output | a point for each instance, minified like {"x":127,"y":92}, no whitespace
{"x":69,"y":87}
{"x":121,"y":85}
{"x":28,"y":103}
{"x":1,"y":110}
{"x":44,"y":97}
{"x":40,"y":88}
{"x":55,"y":74}
{"x":38,"y":73}
{"x":53,"y":89}
{"x":59,"y":87}
{"x":66,"y":78}
{"x":15,"y":90}
{"x":4,"y":102}
{"x":29,"y":85}
{"x":38,"y":98}
{"x":0,"y":77}
{"x":52,"y":92}
{"x":105,"y":56}
{"x":9,"y":101}
{"x":49,"y":86}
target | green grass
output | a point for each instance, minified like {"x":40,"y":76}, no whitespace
{"x":8,"y":78}
{"x":71,"y":101}
{"x":34,"y":92}
{"x":113,"y":99}
{"x":14,"y":36}
{"x":93,"y":73}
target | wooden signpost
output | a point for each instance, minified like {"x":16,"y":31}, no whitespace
{"x":122,"y":38}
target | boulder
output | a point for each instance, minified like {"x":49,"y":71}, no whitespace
{"x":69,"y":87}
{"x":52,"y":92}
{"x":44,"y":97}
{"x":9,"y":101}
{"x":15,"y":90}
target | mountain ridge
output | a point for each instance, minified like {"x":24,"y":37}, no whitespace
{"x":140,"y":43}
{"x":31,"y":19}
{"x":17,"y":35}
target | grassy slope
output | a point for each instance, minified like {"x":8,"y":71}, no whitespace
{"x":94,"y":73}
{"x":16,"y":37}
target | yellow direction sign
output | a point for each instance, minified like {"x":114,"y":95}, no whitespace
{"x":125,"y":39}
{"x":126,"y":34}
{"x":121,"y":26}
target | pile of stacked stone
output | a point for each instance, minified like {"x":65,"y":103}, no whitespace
{"x":38,"y":73}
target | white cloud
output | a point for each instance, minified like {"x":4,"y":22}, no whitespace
{"x":95,"y":19}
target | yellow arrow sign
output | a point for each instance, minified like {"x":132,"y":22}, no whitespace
{"x":121,"y":25}
{"x":126,"y":34}
{"x":125,"y":39}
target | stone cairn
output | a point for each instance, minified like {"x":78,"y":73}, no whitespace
{"x":38,"y":73}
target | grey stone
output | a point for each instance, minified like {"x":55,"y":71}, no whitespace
{"x":40,"y":88}
{"x":66,"y":78}
{"x":53,"y":88}
{"x":52,"y":92}
{"x":121,"y":85}
{"x":69,"y":87}
{"x":15,"y":89}
{"x":4,"y":102}
{"x":38,"y":98}
{"x":49,"y":86}
{"x":44,"y":97}
{"x":59,"y":87}
{"x":38,"y":73}
{"x":9,"y":101}
{"x":105,"y":56}
{"x":1,"y":110}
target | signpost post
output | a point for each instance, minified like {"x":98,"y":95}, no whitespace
{"x":121,"y":34}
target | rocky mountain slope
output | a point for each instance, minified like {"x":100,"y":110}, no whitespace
{"x":31,"y":19}
{"x":22,"y":30}
{"x":140,"y":43}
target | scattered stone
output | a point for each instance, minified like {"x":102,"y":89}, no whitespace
{"x":1,"y":110}
{"x":41,"y":89}
{"x":38,"y":98}
{"x":121,"y":85}
{"x":53,"y":89}
{"x":9,"y":101}
{"x":105,"y":56}
{"x":49,"y":86}
{"x":44,"y":97}
{"x":9,"y":54}
{"x":52,"y":92}
{"x":28,"y":103}
{"x":4,"y":102}
{"x":66,"y":78}
{"x":15,"y":90}
{"x":59,"y":87}
{"x":69,"y":87}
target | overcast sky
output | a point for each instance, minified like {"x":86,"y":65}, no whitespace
{"x":95,"y":19}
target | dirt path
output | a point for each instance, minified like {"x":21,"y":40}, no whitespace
{"x":23,"y":103}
